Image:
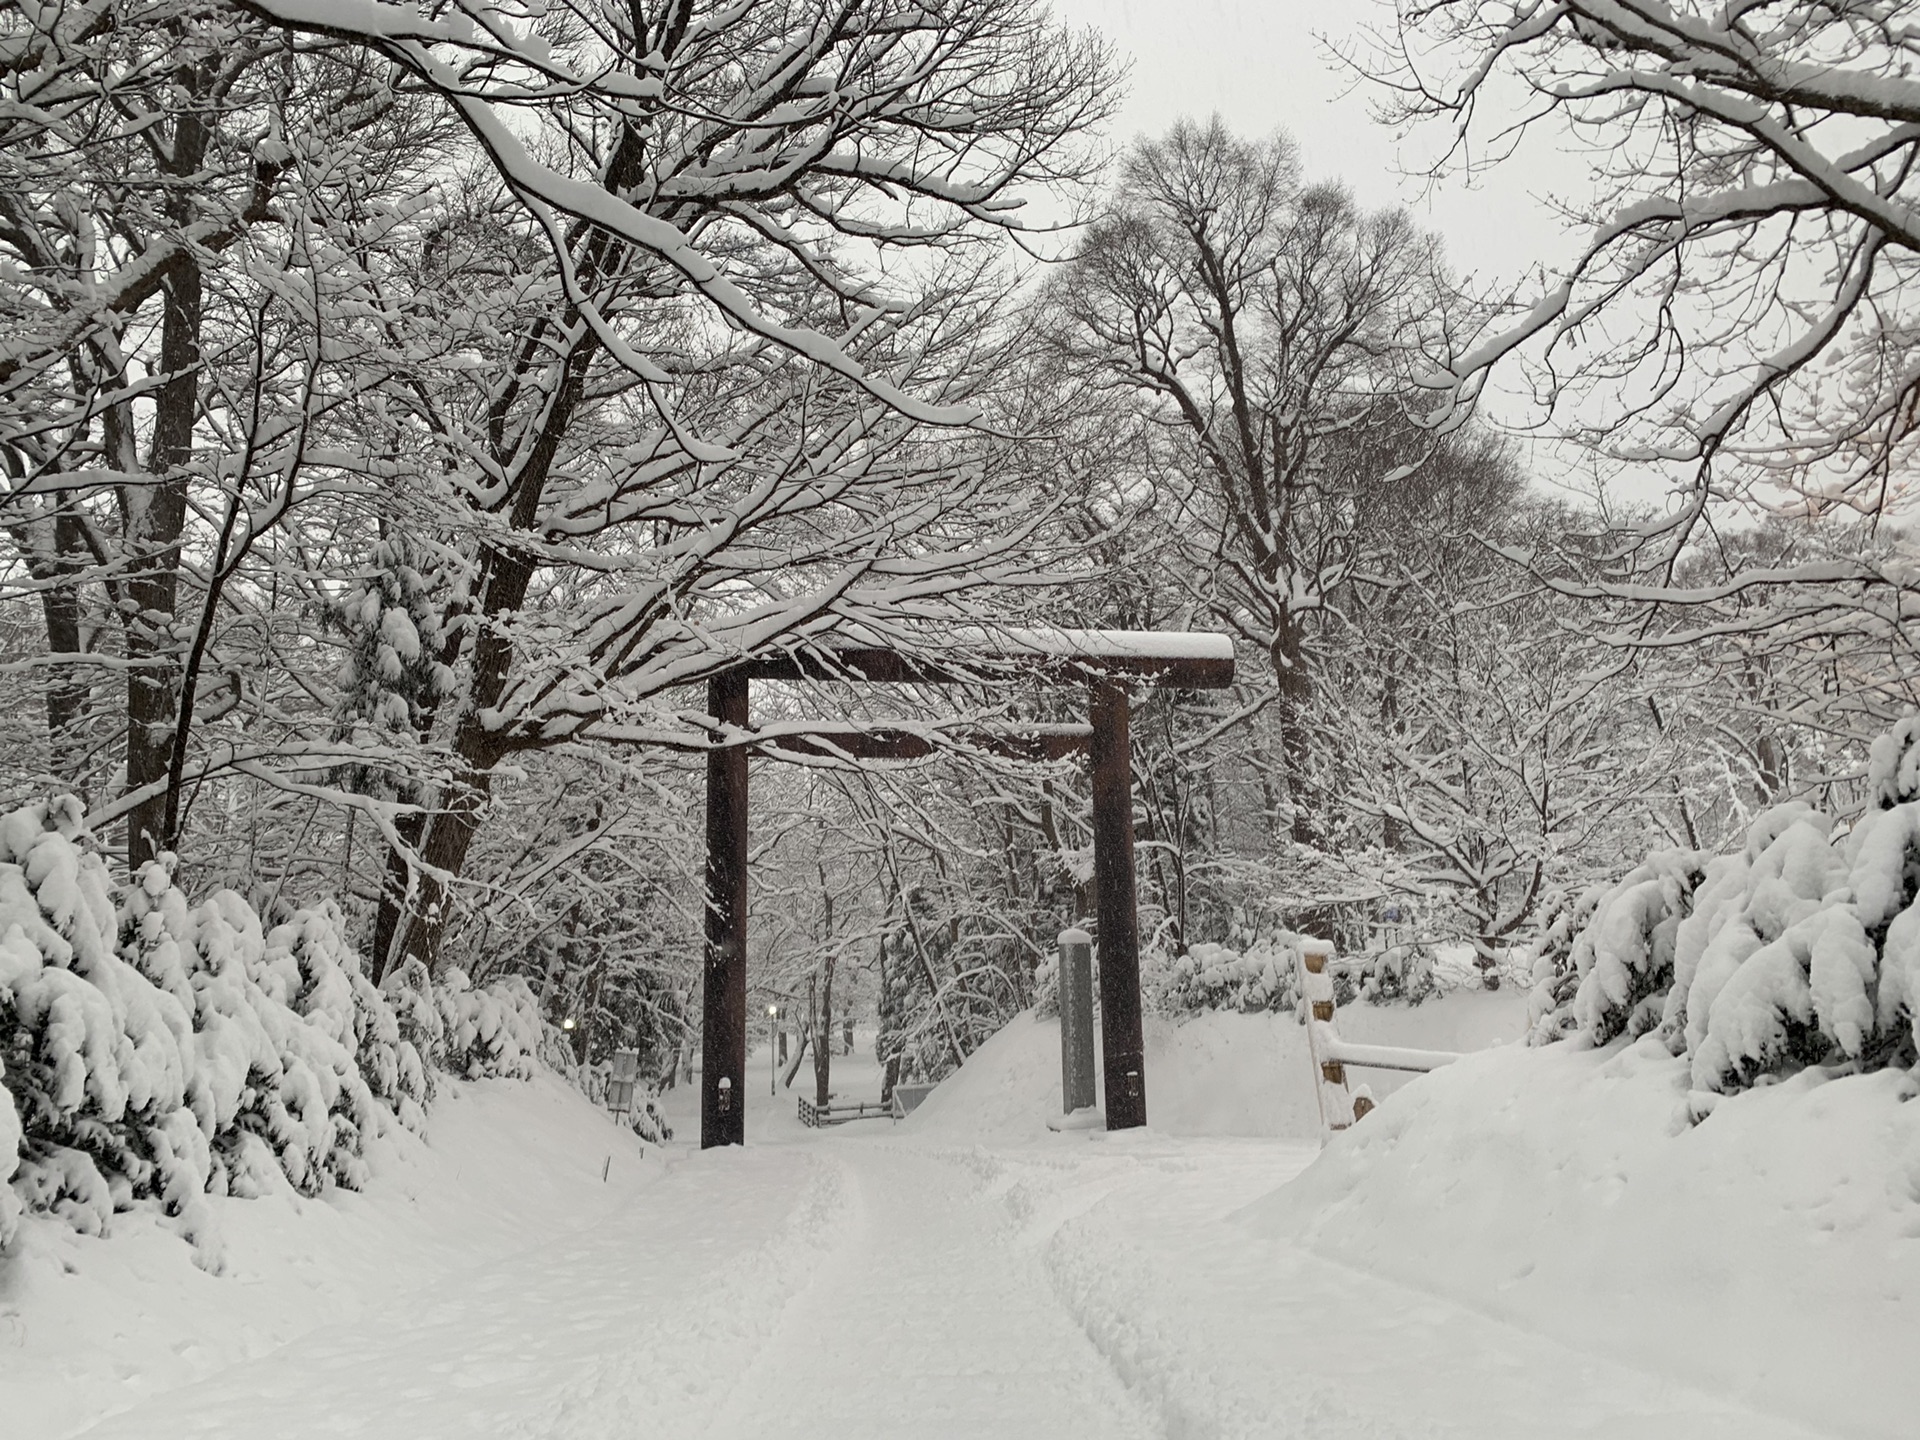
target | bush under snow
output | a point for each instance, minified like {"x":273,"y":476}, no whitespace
{"x":1801,"y":948}
{"x":1261,"y":977}
{"x":153,"y":1049}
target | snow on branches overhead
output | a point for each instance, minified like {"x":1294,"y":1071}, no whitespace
{"x":1751,"y":160}
{"x":1801,"y":948}
{"x":152,"y":1049}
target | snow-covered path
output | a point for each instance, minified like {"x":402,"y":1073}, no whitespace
{"x":877,"y":1285}
{"x":620,"y":1329}
{"x":533,"y":1275}
{"x":930,"y":1321}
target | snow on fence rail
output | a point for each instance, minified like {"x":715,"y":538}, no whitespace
{"x":1330,"y":1055}
{"x":818,"y":1116}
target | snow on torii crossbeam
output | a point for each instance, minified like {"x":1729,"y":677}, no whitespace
{"x":1103,"y":660}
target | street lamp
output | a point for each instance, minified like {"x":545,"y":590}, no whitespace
{"x":773,"y":1053}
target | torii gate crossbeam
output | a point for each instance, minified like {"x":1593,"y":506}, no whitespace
{"x":1104,"y":660}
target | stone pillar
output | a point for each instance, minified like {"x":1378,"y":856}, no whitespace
{"x":1076,"y":1020}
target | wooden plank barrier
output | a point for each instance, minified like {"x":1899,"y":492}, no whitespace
{"x":818,"y":1116}
{"x":1330,"y":1055}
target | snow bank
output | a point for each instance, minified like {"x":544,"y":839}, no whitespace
{"x":514,"y":1168}
{"x":1772,"y":1253}
{"x":1213,"y":1074}
{"x":157,"y":1050}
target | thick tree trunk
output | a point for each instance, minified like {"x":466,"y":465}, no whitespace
{"x":67,"y":692}
{"x":449,"y":836}
{"x":156,"y":514}
{"x":823,"y":1038}
{"x":393,"y":894}
{"x":1294,"y":697}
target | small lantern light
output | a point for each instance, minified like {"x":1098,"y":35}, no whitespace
{"x":567,"y":1024}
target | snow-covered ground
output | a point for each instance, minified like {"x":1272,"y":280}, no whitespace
{"x":1523,"y":1245}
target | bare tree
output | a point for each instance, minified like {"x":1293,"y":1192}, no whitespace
{"x":717,"y":186}
{"x":1740,"y":306}
{"x":1270,"y":328}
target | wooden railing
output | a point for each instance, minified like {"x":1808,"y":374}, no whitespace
{"x":817,"y":1116}
{"x":1339,"y":1106}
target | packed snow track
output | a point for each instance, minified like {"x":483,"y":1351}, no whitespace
{"x":881,"y":1284}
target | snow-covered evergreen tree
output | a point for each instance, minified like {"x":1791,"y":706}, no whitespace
{"x":1800,"y":948}
{"x":155,"y":1050}
{"x":99,"y":1058}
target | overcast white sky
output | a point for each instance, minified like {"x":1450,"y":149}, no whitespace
{"x":1263,"y":66}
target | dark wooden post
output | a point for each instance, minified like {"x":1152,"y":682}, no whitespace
{"x":1124,"y":1045}
{"x":723,"y":1011}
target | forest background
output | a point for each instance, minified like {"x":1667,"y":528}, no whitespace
{"x":404,"y":411}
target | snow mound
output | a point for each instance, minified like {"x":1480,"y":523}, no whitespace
{"x":87,"y":1329}
{"x":1772,"y":1253}
{"x":1209,"y":1075}
{"x":157,"y":1050}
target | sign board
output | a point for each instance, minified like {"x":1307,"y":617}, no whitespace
{"x":620,"y":1085}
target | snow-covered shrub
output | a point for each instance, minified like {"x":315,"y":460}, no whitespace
{"x":336,"y":995}
{"x":1214,"y":977}
{"x":1563,"y":915}
{"x":408,"y":990}
{"x":1608,"y":955}
{"x":1801,"y":948}
{"x":1262,"y":976}
{"x":1399,"y":972}
{"x":98,"y":1058}
{"x":153,"y":1049}
{"x":472,"y":1033}
{"x":489,"y":1032}
{"x":274,"y":1074}
{"x":10,"y":1137}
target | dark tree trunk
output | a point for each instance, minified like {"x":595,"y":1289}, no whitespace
{"x":393,"y":894}
{"x":823,"y":1037}
{"x":1294,"y":696}
{"x":67,"y":692}
{"x":156,"y":514}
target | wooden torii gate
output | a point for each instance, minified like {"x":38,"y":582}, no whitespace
{"x":1103,"y":660}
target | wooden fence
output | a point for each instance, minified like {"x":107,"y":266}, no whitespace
{"x":1331,"y":1055}
{"x":818,"y":1116}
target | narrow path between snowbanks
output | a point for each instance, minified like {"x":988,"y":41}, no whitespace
{"x":931,"y":1321}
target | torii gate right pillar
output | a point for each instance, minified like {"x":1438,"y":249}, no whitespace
{"x":1122,"y":1041}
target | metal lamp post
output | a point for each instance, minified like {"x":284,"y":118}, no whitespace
{"x":773,"y":1055}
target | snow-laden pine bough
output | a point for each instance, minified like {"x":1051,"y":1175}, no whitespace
{"x":1802,"y":948}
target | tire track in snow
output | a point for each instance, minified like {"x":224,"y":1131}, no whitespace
{"x":1166,"y":1292}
